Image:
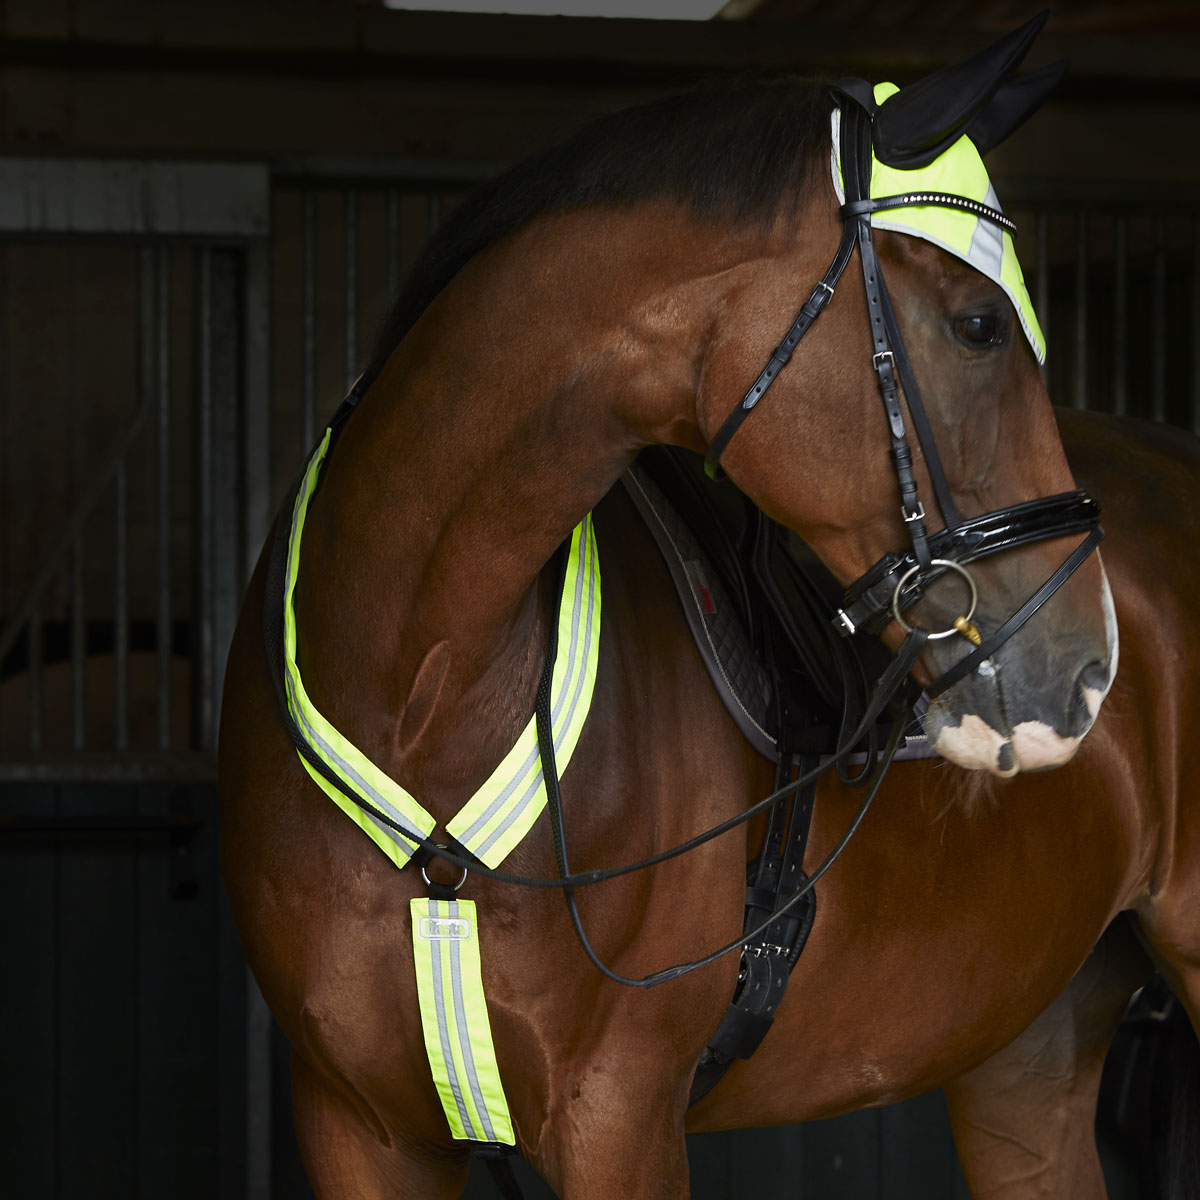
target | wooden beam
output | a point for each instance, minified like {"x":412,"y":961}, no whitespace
{"x":328,"y":41}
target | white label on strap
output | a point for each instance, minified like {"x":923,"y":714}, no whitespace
{"x":444,"y":929}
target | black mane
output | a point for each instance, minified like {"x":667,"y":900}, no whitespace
{"x":736,"y":149}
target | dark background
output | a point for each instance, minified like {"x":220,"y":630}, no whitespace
{"x":203,"y":207}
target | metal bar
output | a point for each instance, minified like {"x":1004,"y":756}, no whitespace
{"x":121,"y":611}
{"x":226,"y":380}
{"x":256,"y":494}
{"x":258,"y":1093}
{"x":308,"y":317}
{"x":1121,"y":315}
{"x":78,"y":650}
{"x":350,"y":267}
{"x":111,"y":767}
{"x":329,"y":171}
{"x":1159,"y":320}
{"x":393,"y":245}
{"x":1043,"y":282}
{"x":35,"y":680}
{"x":202,"y":513}
{"x":1080,"y":397}
{"x":11,"y":632}
{"x":156,"y":365}
{"x":100,"y":824}
{"x":104,"y":198}
{"x":1196,"y":323}
{"x":6,"y":599}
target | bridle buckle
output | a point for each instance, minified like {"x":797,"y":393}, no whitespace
{"x":919,"y":515}
{"x":876,"y":359}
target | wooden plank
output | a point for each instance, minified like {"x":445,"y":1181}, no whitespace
{"x":97,"y":1014}
{"x":757,"y":1162}
{"x":841,"y":1156}
{"x":918,"y":1161}
{"x":28,"y":1001}
{"x":177,"y":1035}
{"x":711,"y":1163}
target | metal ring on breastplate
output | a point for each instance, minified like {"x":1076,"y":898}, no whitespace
{"x":936,"y":562}
{"x":461,"y":879}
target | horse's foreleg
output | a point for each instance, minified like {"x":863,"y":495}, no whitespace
{"x":1023,"y":1120}
{"x":348,"y":1155}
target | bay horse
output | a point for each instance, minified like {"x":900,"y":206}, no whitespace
{"x":611,"y":295}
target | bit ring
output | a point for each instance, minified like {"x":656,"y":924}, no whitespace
{"x":936,"y":562}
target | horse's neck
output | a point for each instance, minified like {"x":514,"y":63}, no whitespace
{"x":506,"y":414}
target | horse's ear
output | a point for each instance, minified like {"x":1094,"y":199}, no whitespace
{"x":926,"y":118}
{"x":1013,"y":104}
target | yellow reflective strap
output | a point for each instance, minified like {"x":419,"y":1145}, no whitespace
{"x":454,"y":1020}
{"x":958,"y":171}
{"x":504,"y":809}
{"x":340,"y":755}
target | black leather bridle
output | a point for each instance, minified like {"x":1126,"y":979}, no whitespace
{"x":897,"y":581}
{"x":893,"y":583}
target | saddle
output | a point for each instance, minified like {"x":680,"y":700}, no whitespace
{"x":759,"y":604}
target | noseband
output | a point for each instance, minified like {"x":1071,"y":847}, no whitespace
{"x":898,"y":581}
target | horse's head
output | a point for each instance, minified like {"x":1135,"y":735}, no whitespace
{"x":940,"y":363}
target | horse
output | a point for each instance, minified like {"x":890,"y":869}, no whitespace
{"x":610,"y":295}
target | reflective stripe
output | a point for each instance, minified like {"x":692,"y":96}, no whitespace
{"x":504,"y":809}
{"x":986,"y":251}
{"x":454,"y":1021}
{"x":342,"y":756}
{"x":976,"y":240}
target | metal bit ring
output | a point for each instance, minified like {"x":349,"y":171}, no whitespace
{"x":936,"y":562}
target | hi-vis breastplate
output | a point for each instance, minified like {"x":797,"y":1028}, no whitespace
{"x":454,"y":1016}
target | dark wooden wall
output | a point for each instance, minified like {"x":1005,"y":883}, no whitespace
{"x":123,"y":1010}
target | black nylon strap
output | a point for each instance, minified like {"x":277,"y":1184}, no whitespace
{"x":498,"y":1160}
{"x":993,"y":642}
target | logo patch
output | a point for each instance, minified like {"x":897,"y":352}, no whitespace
{"x":444,"y":929}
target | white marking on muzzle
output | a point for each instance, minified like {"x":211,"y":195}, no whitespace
{"x":973,"y":744}
{"x":1038,"y":745}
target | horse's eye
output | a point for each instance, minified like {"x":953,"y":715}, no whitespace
{"x":980,"y":330}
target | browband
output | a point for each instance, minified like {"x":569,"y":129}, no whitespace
{"x":858,"y":208}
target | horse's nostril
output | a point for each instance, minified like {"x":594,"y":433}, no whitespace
{"x":1094,"y":676}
